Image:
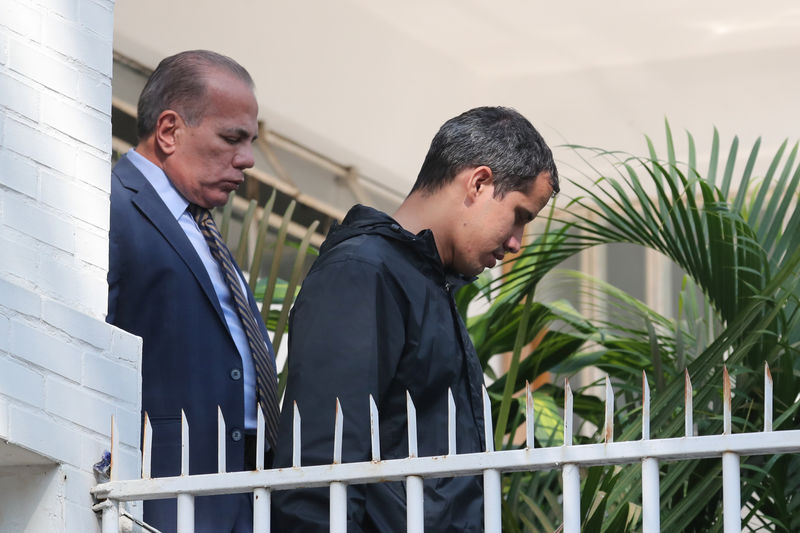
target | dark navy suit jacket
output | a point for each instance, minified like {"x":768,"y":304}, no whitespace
{"x":160,"y":290}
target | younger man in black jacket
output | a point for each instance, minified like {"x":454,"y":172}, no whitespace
{"x":376,"y":316}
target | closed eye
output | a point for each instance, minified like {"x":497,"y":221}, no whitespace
{"x":237,"y":135}
{"x":523,"y":216}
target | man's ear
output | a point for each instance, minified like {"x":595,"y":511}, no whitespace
{"x":166,"y":131}
{"x":480,"y":180}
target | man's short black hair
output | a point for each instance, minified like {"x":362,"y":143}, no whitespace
{"x":498,"y":137}
{"x":179,"y":83}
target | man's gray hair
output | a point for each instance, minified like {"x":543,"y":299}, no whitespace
{"x":498,"y":137}
{"x":179,"y":83}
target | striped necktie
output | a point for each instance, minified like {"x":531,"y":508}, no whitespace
{"x":266,"y":381}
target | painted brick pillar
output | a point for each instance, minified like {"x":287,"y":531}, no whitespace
{"x":63,"y":370}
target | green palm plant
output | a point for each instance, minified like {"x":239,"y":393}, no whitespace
{"x":739,"y":249}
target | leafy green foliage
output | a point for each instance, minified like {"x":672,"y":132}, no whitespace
{"x":737,"y":238}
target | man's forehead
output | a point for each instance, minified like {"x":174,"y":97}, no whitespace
{"x":539,"y":191}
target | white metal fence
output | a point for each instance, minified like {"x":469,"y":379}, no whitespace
{"x":491,"y":464}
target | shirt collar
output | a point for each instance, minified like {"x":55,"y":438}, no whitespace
{"x":173,"y":199}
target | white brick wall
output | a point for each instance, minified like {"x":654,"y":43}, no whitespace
{"x":63,"y":371}
{"x":55,"y":142}
{"x":63,"y":374}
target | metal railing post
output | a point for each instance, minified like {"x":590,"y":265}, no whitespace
{"x":109,"y":517}
{"x":185,"y":513}
{"x":651,"y":518}
{"x":572,"y":498}
{"x":492,"y":501}
{"x":415,"y":508}
{"x":338,"y":507}
{"x":651,"y":511}
{"x":261,"y":510}
{"x":731,"y":493}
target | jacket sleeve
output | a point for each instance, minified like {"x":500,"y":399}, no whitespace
{"x":346,"y":338}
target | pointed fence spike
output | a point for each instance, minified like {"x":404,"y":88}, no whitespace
{"x":260,"y":433}
{"x":609,"y":425}
{"x":688,"y":406}
{"x":726,"y":401}
{"x":113,"y":475}
{"x":337,"y":433}
{"x":767,"y":398}
{"x":645,"y":407}
{"x":567,"y":413}
{"x":451,"y":423}
{"x":529,"y":418}
{"x":147,"y":447}
{"x":221,"y":441}
{"x":374,"y":429}
{"x":487,"y":421}
{"x":412,"y":426}
{"x":184,"y":444}
{"x":296,"y":442}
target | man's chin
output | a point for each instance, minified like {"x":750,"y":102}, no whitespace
{"x":218,"y":199}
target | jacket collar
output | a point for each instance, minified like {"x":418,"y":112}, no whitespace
{"x":362,"y":220}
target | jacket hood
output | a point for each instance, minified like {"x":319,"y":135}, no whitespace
{"x":363,"y":220}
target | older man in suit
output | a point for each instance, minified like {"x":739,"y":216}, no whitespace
{"x":173,"y":282}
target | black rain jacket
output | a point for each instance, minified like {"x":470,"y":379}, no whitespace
{"x":376,"y":316}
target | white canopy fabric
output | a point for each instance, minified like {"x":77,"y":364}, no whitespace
{"x":368,"y":83}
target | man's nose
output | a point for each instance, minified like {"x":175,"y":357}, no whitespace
{"x":244,"y":157}
{"x":514,"y":243}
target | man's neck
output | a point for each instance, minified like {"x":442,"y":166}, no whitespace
{"x":146,"y":149}
{"x":432,"y":211}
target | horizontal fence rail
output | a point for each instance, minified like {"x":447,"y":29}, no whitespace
{"x":568,"y":458}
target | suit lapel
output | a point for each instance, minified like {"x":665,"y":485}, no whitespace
{"x":145,"y":198}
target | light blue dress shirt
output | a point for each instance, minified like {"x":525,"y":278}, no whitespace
{"x":177,"y":205}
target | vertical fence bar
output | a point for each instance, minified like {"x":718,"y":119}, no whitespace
{"x":688,"y":407}
{"x":374,"y":430}
{"x":415,"y":514}
{"x":296,"y":442}
{"x":185,"y":501}
{"x":110,"y":517}
{"x":570,"y":473}
{"x":338,"y":508}
{"x":651,"y":518}
{"x":221,"y":450}
{"x":572,"y":498}
{"x":767,"y":398}
{"x":185,"y":513}
{"x":492,"y":483}
{"x":726,"y":401}
{"x":567,"y":414}
{"x":261,"y":503}
{"x":492,"y":501}
{"x":451,"y":423}
{"x":261,"y":495}
{"x":184,"y":445}
{"x":260,"y":432}
{"x":147,"y":447}
{"x":731,"y":489}
{"x":608,"y":431}
{"x":530,"y":420}
{"x":415,"y":501}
